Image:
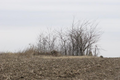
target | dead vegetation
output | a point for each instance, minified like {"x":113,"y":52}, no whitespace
{"x":79,"y":40}
{"x":41,"y":67}
{"x":70,"y":55}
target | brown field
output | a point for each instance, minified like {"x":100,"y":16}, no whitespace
{"x":29,"y":67}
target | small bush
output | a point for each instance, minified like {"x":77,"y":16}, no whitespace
{"x":55,"y":53}
{"x":90,"y":53}
{"x":101,"y":56}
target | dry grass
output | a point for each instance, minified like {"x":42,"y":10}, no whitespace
{"x":41,"y":67}
{"x":67,"y":57}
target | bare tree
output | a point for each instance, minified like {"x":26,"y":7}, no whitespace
{"x":82,"y":37}
{"x":46,"y":43}
{"x":62,"y":42}
{"x":79,"y":40}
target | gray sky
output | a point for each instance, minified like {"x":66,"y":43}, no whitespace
{"x":21,"y":21}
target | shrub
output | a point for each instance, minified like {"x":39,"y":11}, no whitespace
{"x":55,"y":53}
{"x":101,"y":56}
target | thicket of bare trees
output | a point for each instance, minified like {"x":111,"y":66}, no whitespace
{"x":79,"y":40}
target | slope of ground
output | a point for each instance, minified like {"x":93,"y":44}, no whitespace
{"x":16,"y":67}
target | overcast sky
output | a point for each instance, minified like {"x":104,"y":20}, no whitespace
{"x":21,"y":21}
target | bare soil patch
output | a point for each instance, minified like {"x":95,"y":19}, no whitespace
{"x":16,"y":67}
